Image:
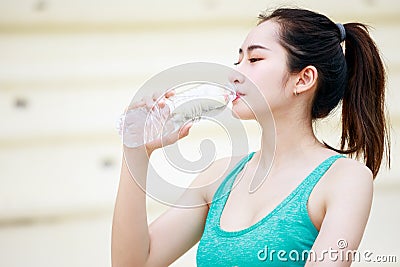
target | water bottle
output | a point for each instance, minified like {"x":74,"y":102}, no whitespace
{"x":191,"y":102}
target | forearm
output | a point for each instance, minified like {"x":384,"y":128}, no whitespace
{"x":130,"y":232}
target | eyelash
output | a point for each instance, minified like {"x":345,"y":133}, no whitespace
{"x":251,"y":60}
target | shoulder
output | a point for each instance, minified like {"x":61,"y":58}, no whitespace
{"x":211,"y":178}
{"x":349,"y":171}
{"x":349,"y":179}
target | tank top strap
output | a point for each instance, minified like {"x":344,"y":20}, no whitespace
{"x":314,"y":177}
{"x":227,"y":183}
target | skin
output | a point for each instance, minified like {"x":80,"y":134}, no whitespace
{"x":338,"y":206}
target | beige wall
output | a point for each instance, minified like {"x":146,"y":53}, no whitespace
{"x":67,"y":70}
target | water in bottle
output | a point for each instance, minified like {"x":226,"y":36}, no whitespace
{"x":191,"y":102}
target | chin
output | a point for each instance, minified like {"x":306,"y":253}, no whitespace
{"x":242,"y":113}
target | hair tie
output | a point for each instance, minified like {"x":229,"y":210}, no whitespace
{"x":342,"y":31}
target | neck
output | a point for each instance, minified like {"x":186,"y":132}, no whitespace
{"x":292,"y":139}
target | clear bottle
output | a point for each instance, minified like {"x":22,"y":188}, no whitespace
{"x":191,"y":102}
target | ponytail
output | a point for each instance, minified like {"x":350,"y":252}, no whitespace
{"x":364,"y":128}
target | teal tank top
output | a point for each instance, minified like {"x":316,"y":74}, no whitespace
{"x":284,"y":237}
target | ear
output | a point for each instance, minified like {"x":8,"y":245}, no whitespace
{"x":306,"y":79}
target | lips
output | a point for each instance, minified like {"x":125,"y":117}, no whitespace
{"x":238,"y":95}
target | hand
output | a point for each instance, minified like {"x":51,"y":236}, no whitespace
{"x":149,"y":103}
{"x":169,"y":139}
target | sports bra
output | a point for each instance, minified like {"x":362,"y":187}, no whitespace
{"x":283,"y":237}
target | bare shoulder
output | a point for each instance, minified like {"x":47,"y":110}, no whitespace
{"x":351,"y":178}
{"x":351,"y":169}
{"x":210,"y":179}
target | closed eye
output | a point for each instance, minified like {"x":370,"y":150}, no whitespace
{"x":252,"y":60}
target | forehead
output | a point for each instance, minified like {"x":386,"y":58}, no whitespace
{"x":265,"y":33}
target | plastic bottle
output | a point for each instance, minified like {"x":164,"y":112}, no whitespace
{"x":191,"y":102}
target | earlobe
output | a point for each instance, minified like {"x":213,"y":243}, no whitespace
{"x":306,"y":80}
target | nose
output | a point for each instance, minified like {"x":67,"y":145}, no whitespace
{"x":235,"y":77}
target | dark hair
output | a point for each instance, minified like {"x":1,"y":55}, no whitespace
{"x":356,"y":76}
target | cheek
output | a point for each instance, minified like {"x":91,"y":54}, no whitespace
{"x":265,"y":91}
{"x":271,"y":87}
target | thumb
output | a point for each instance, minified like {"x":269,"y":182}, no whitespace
{"x":178,"y":134}
{"x":170,"y":139}
{"x":184,"y":130}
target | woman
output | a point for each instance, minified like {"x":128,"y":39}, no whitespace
{"x":315,"y":202}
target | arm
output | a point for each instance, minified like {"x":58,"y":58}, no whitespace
{"x":348,"y":204}
{"x":130,"y":240}
{"x":134,"y":243}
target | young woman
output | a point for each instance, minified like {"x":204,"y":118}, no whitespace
{"x":314,"y":199}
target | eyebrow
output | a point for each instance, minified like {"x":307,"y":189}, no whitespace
{"x":252,"y":47}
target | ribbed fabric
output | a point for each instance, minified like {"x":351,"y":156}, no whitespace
{"x":287,"y":228}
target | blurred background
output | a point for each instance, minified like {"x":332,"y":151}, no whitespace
{"x":67,"y":71}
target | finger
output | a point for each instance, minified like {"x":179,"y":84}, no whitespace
{"x":134,"y":105}
{"x":161,"y":103}
{"x":149,"y":102}
{"x":169,"y":93}
{"x":184,"y":130}
{"x":178,"y":134}
{"x":160,"y":98}
{"x":156,"y":96}
{"x":170,"y":139}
